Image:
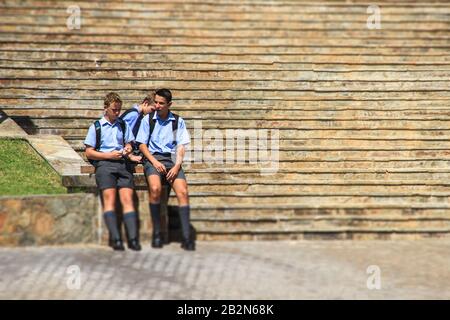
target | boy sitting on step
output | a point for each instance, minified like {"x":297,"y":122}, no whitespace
{"x":108,"y":144}
{"x":162,"y":137}
{"x":133,"y":117}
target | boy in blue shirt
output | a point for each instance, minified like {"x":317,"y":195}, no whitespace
{"x":108,"y":143}
{"x":163,"y":137}
{"x":133,"y":117}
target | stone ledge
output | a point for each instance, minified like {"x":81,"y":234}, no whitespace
{"x":9,"y":128}
{"x":48,"y":219}
{"x":54,"y":149}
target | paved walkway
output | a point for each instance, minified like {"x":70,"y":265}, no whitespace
{"x":231,"y":270}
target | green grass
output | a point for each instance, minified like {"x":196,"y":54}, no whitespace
{"x":24,"y":172}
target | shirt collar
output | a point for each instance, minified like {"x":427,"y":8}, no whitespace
{"x":103,"y":121}
{"x":169,"y":118}
{"x":136,"y":106}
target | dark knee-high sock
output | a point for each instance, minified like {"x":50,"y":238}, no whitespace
{"x":111,"y":223}
{"x":184,"y":219}
{"x":131,"y":220}
{"x":156,"y":217}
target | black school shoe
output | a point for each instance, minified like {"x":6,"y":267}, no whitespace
{"x":117,"y":245}
{"x":134,"y":244}
{"x":157,"y":241}
{"x":188,"y":245}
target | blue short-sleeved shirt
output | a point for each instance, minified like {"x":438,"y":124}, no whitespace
{"x":131,"y":117}
{"x":162,"y":136}
{"x":111,"y":136}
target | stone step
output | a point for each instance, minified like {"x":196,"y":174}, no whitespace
{"x":246,"y":169}
{"x":303,"y":145}
{"x":226,"y":13}
{"x":333,"y":165}
{"x":254,"y":177}
{"x":335,"y":156}
{"x":284,"y":86}
{"x":137,"y":52}
{"x":230,"y":115}
{"x":35,"y":92}
{"x":266,"y":190}
{"x":285,"y":134}
{"x":21,"y":18}
{"x":245,"y":105}
{"x":304,"y":66}
{"x":320,"y":235}
{"x":315,"y":165}
{"x":240,"y":7}
{"x":123,"y":39}
{"x":338,"y":190}
{"x":113,"y":31}
{"x":138,"y":72}
{"x":88,"y":181}
{"x":274,"y":214}
{"x":310,"y":145}
{"x":300,"y":124}
{"x":323,"y":234}
{"x":218,"y":58}
{"x":245,"y":201}
{"x":301,"y":225}
{"x":249,"y":114}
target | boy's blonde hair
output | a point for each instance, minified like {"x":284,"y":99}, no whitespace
{"x":110,"y":98}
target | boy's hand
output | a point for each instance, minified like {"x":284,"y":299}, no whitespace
{"x":172,"y":174}
{"x":115,"y":155}
{"x":127,"y":149}
{"x":159,"y":167}
{"x":134,"y":158}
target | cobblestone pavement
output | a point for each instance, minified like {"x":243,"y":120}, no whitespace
{"x":231,"y":270}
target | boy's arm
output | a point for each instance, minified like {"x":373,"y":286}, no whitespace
{"x":181,"y":150}
{"x":92,"y":154}
{"x":129,"y":138}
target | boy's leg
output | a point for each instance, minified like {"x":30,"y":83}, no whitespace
{"x":130,"y":217}
{"x":110,"y":217}
{"x":181,"y":190}
{"x":154,"y":188}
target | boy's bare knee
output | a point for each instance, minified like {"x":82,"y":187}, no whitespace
{"x":155,"y":190}
{"x":183,"y":196}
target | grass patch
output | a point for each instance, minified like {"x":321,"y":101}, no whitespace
{"x":24,"y":172}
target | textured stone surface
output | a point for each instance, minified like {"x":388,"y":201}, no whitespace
{"x":45,"y":220}
{"x":231,"y":270}
{"x":10,"y":129}
{"x":362,"y":114}
{"x":58,"y":153}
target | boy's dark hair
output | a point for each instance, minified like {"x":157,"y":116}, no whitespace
{"x":165,"y":93}
{"x":110,"y":98}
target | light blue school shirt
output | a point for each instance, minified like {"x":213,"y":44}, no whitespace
{"x":111,"y":136}
{"x":131,"y":117}
{"x":162,"y":136}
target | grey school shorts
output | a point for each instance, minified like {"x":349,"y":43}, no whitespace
{"x":167,"y":161}
{"x":113,"y":174}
